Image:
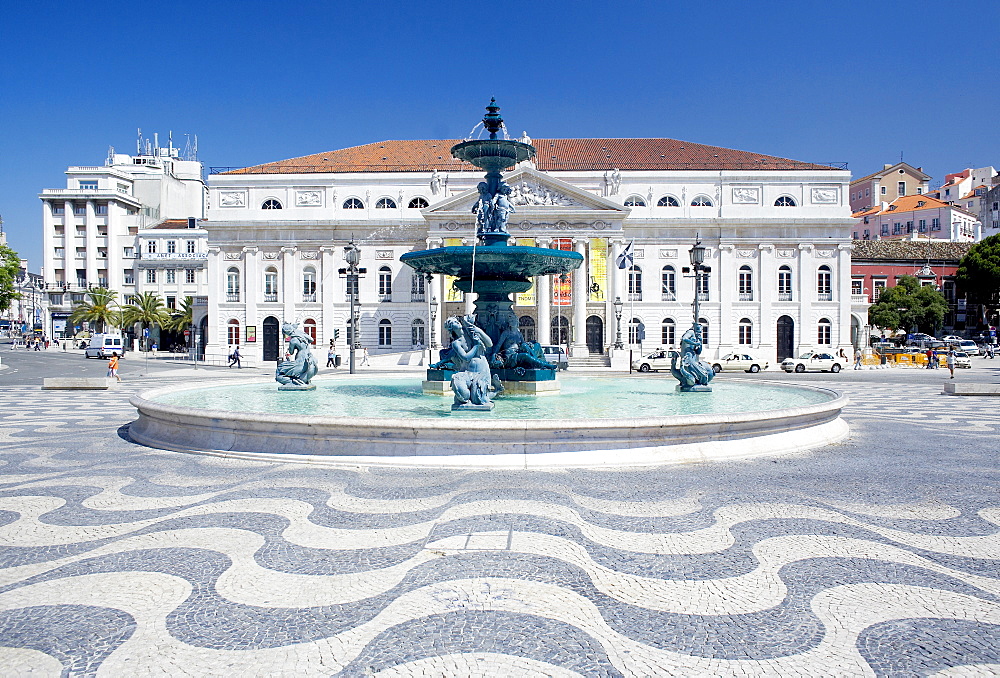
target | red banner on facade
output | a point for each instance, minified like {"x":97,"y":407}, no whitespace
{"x":562,"y":285}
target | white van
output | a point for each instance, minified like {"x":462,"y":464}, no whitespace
{"x":105,"y":345}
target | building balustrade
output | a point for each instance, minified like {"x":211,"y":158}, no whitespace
{"x":271,"y":298}
{"x":309,"y":298}
{"x":824,"y":296}
{"x":859,"y":298}
{"x":784,"y":296}
{"x":702,"y":296}
{"x":385,"y":297}
{"x":235,"y":297}
{"x":668,"y":296}
{"x":746,"y":296}
{"x":635,"y":296}
{"x":415,"y":297}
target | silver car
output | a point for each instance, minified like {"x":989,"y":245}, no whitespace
{"x":812,"y":362}
{"x":739,"y":362}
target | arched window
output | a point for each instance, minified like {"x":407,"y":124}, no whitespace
{"x":704,"y":331}
{"x":270,"y":204}
{"x":233,"y":284}
{"x":784,"y":284}
{"x":559,"y":332}
{"x":417,"y":332}
{"x":270,"y":284}
{"x":667,"y":280}
{"x":353,"y":204}
{"x":635,"y":201}
{"x":667,"y":201}
{"x":418,"y":204}
{"x":385,"y":204}
{"x":309,"y":328}
{"x":746,"y":332}
{"x":527,"y":326}
{"x":701,"y":201}
{"x":385,"y":284}
{"x":746,"y":283}
{"x":385,"y":332}
{"x":636,"y":331}
{"x":785,"y":201}
{"x":309,"y":284}
{"x":634,"y":283}
{"x":824,"y":285}
{"x":824,"y":332}
{"x":233,"y":332}
{"x":668,"y":329}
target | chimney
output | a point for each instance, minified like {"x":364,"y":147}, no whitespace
{"x":886,"y":166}
{"x":192,"y":222}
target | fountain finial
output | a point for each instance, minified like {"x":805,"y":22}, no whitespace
{"x":492,"y":121}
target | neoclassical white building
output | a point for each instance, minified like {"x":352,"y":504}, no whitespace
{"x":778,"y":234}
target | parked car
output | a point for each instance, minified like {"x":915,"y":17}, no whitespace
{"x":812,"y":362}
{"x":967,"y":346}
{"x":962,"y":359}
{"x":557,"y":356}
{"x":655,"y":361}
{"x":105,"y":345}
{"x":951,"y":337}
{"x":736,"y":362}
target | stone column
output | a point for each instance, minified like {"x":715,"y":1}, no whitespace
{"x":216,"y":269}
{"x":842,"y":295}
{"x":326,"y":278}
{"x":250,"y":295}
{"x":805,"y":330}
{"x":289,"y":288}
{"x":766,"y":288}
{"x":90,"y":223}
{"x":543,"y":298}
{"x":581,"y":283}
{"x":725,"y":274}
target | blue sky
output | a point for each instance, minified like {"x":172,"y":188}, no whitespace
{"x":855,"y":82}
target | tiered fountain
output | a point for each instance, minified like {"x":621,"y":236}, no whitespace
{"x":492,"y":269}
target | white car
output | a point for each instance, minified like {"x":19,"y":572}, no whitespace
{"x":812,"y":362}
{"x":967,"y":346}
{"x":739,"y":362}
{"x":962,"y":359}
{"x":951,"y":337}
{"x":657,"y":360}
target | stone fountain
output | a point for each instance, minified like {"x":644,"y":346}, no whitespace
{"x":492,"y":269}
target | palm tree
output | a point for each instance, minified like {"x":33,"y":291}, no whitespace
{"x":101,"y":309}
{"x":182,"y":318}
{"x":148,"y":310}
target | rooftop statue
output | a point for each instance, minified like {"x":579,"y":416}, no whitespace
{"x":299,"y":366}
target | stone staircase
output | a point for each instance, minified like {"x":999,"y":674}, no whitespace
{"x":589,"y":361}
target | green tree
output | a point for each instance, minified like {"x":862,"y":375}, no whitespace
{"x":907,"y":305}
{"x":147,"y":310}
{"x":10,"y":267}
{"x":182,"y":318}
{"x":979,"y":272}
{"x":100,"y":309}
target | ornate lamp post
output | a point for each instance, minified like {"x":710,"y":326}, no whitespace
{"x":618,"y":318}
{"x":352,"y":255}
{"x":688,"y":368}
{"x":697,"y":254}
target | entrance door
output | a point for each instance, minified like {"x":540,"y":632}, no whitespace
{"x":786,"y":338}
{"x":202,"y":337}
{"x":595,"y":334}
{"x":270,"y":337}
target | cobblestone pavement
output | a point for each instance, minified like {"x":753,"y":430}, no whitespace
{"x":876,"y":556}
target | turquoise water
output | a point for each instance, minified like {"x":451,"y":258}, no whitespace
{"x":581,"y":398}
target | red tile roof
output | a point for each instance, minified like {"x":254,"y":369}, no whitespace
{"x":176,"y":224}
{"x":909,"y":203}
{"x":553,"y":154}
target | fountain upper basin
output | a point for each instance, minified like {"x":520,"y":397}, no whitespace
{"x":498,"y":261}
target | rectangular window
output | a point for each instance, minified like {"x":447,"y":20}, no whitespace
{"x":151,"y":247}
{"x":923,"y":225}
{"x":171,"y":302}
{"x":59,"y":210}
{"x":877,"y":287}
{"x":129,"y":276}
{"x":935,"y":224}
{"x":151,"y":275}
{"x":60,"y":253}
{"x":88,"y":185}
{"x":901,"y":188}
{"x":123,"y":188}
{"x":909,"y":227}
{"x":171,"y":275}
{"x":171,"y":247}
{"x":189,"y":275}
{"x":101,"y":209}
{"x":857,"y":286}
{"x":352,"y":287}
{"x":190,"y":246}
{"x":885,"y":229}
{"x":79,"y":210}
{"x":883,"y":190}
{"x":868,"y":192}
{"x":920,"y":190}
{"x":129,"y":252}
{"x":897,"y":228}
{"x":868,"y":234}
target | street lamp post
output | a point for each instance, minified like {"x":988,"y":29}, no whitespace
{"x":618,"y":318}
{"x":432,"y":344}
{"x":697,"y":254}
{"x":694,"y":373}
{"x":352,"y":255}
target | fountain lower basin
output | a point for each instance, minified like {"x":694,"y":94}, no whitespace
{"x":421,"y":430}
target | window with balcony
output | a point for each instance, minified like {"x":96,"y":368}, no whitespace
{"x":667,"y":282}
{"x":88,"y":185}
{"x":704,"y":330}
{"x":745,"y":278}
{"x":877,"y":287}
{"x":909,"y":227}
{"x":857,"y":286}
{"x":309,"y":328}
{"x":923,"y":226}
{"x":745,"y":332}
{"x":634,"y":283}
{"x":702,"y":288}
{"x":233,"y":284}
{"x":885,"y":229}
{"x":352,"y":289}
{"x":417,"y":288}
{"x":824,"y":284}
{"x":189,"y":275}
{"x":935,"y":224}
{"x":385,"y":284}
{"x":172,"y":303}
{"x":668,"y":332}
{"x":58,"y":210}
{"x":270,"y":284}
{"x":79,"y":210}
{"x":385,"y":332}
{"x":309,"y":284}
{"x":635,"y":330}
{"x":897,"y":228}
{"x":56,"y":299}
{"x":128,"y":276}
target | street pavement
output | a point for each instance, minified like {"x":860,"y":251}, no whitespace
{"x":875,"y":556}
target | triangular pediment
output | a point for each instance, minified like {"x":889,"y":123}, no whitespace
{"x":535,"y":193}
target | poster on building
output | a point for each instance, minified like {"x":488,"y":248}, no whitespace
{"x":450,"y":293}
{"x":562,"y":285}
{"x":598,"y":267}
{"x":526,"y":298}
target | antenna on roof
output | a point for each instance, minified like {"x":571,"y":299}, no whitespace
{"x":138,"y":141}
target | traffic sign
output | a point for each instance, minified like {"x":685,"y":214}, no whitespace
{"x":187,"y":333}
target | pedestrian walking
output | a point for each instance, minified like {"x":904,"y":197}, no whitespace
{"x":858,"y":357}
{"x":950,"y":361}
{"x":113,"y":367}
{"x":364,"y":356}
{"x":331,"y":355}
{"x":930,"y":359}
{"x":234,"y":358}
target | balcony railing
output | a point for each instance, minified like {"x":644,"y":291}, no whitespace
{"x":268,"y":298}
{"x":385,"y":297}
{"x":418,"y":296}
{"x":702,"y":296}
{"x":824,"y":296}
{"x":746,"y":296}
{"x":668,"y":296}
{"x":309,"y":298}
{"x":635,"y":296}
{"x":233,"y":297}
{"x":859,"y":298}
